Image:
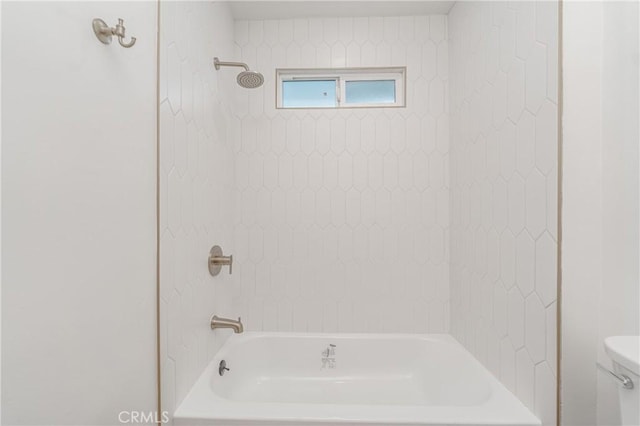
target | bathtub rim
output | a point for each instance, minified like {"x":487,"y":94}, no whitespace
{"x":198,"y":407}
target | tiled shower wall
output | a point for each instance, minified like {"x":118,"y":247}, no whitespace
{"x":196,"y":189}
{"x":343,"y":215}
{"x":504,"y":96}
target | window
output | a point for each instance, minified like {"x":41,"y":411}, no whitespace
{"x":340,"y":88}
{"x":309,"y":93}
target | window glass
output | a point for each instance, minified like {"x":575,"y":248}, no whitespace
{"x":381,"y":87}
{"x":370,"y":92}
{"x":308,"y":93}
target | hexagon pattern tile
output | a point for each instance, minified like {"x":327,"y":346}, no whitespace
{"x":343,"y":214}
{"x":441,"y":212}
{"x":196,"y":189}
{"x":504,"y":135}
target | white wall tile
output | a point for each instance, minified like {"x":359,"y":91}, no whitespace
{"x":516,"y":318}
{"x":536,"y":200}
{"x":198,"y":165}
{"x":536,"y":74}
{"x":552,"y":337}
{"x":525,"y":378}
{"x":525,"y":263}
{"x":546,"y":137}
{"x":545,"y":400}
{"x":516,"y":201}
{"x":508,"y":365}
{"x":503,"y":162}
{"x":353,"y":179}
{"x":546,"y":269}
{"x":535,"y":328}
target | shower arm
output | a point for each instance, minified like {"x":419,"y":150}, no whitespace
{"x":217,"y":64}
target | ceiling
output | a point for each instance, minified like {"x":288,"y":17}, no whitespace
{"x":267,"y":9}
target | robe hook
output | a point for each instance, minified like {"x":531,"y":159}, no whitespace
{"x":106,"y":33}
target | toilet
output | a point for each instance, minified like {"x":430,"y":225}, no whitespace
{"x":624,"y":351}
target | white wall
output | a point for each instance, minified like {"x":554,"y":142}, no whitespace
{"x":196,"y":188}
{"x":582,"y":209}
{"x":78,"y":188}
{"x":343,"y":215}
{"x":600,"y":288}
{"x":504,"y":97}
{"x":620,"y":290}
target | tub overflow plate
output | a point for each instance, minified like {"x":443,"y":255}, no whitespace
{"x":222,"y":367}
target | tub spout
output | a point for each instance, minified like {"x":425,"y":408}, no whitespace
{"x":218,"y":322}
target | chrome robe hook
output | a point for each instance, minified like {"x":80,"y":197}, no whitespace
{"x":106,"y":33}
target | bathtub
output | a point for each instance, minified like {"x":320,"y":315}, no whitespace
{"x":362,"y":379}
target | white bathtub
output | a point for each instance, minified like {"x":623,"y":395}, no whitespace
{"x":285,"y":378}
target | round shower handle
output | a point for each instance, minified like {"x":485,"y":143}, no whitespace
{"x":217,"y":260}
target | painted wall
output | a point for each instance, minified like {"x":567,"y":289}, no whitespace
{"x":78,"y":214}
{"x":504,"y":96}
{"x":600,"y":274}
{"x":196,"y":189}
{"x":582,"y":209}
{"x":343,"y":215}
{"x":620,"y":289}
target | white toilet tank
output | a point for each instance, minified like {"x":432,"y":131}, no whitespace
{"x":624,"y":351}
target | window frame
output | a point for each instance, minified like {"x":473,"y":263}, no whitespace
{"x":342,"y":76}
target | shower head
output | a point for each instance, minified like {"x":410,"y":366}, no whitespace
{"x":250,"y":79}
{"x":247,"y":78}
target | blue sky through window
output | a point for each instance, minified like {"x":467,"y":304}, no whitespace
{"x":370,"y":92}
{"x":309,"y":93}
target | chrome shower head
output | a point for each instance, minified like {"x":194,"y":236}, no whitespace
{"x":247,"y":78}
